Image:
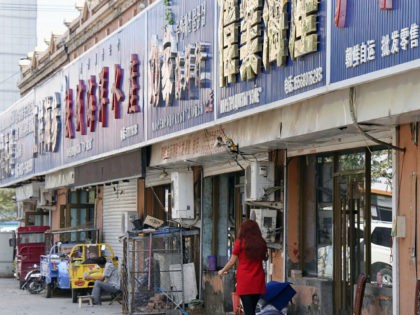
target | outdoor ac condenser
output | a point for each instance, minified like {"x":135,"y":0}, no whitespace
{"x":259,"y":179}
{"x":266,"y":219}
{"x":182,"y":195}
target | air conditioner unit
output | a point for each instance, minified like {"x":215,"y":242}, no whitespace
{"x":266,"y":219}
{"x":127,"y":221}
{"x":259,"y":179}
{"x":182,"y":195}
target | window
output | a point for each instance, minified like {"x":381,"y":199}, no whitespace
{"x":78,"y":212}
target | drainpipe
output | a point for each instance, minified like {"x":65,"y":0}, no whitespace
{"x":285,"y":215}
{"x":395,"y":245}
{"x":200,"y":272}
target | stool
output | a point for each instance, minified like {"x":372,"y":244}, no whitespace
{"x":85,"y":298}
{"x":117,"y":296}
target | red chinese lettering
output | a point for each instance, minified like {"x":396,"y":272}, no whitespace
{"x":133,"y":99}
{"x":69,"y":114}
{"x":117,"y":93}
{"x":386,"y":4}
{"x":340,"y":13}
{"x":91,"y":100}
{"x":103,"y":96}
{"x":80,"y":108}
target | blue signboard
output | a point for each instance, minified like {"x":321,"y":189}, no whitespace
{"x":103,"y":104}
{"x":47,"y":119}
{"x":366,"y":38}
{"x":17,"y":136}
{"x":180,"y":66}
{"x":268,"y":51}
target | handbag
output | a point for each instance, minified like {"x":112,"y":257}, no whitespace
{"x":237,"y":306}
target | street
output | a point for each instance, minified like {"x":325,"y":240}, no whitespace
{"x":14,"y":301}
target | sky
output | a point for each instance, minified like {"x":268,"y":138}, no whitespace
{"x":51,"y":16}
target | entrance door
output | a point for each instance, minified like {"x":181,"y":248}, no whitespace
{"x":350,"y":224}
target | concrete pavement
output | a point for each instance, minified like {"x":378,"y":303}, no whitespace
{"x":14,"y":301}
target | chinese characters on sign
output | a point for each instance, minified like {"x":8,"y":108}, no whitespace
{"x":47,"y":117}
{"x":293,"y":83}
{"x":303,"y":32}
{"x":7,"y":153}
{"x":391,"y":44}
{"x":13,"y":162}
{"x":173,"y":74}
{"x":254,"y":33}
{"x":133,"y":98}
{"x":95,"y":109}
{"x":275,"y":39}
{"x":251,"y":39}
{"x":192,"y":21}
{"x":180,"y":73}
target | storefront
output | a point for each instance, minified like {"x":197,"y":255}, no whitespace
{"x":241,"y":127}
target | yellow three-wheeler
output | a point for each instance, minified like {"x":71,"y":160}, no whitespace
{"x":83,"y":261}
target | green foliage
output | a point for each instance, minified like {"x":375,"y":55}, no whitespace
{"x":168,"y":12}
{"x":8,"y":206}
{"x":382,"y":166}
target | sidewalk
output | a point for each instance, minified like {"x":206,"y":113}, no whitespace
{"x":14,"y":301}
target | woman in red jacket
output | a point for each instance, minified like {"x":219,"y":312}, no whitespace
{"x":249,"y":250}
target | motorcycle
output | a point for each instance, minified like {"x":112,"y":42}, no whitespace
{"x":34,"y":281}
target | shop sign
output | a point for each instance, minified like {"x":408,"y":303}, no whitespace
{"x":16,"y":139}
{"x":180,"y":67}
{"x":373,"y":37}
{"x":104,"y":95}
{"x":275,"y":47}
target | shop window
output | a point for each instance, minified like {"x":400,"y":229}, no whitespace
{"x":37,"y":218}
{"x":78,"y":212}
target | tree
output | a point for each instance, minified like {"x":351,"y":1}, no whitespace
{"x":7,"y":205}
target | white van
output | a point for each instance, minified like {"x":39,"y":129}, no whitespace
{"x":381,"y":254}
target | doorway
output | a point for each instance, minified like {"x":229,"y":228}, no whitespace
{"x":351,"y":222}
{"x":342,"y":224}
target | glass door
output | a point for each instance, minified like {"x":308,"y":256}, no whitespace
{"x":351,"y":219}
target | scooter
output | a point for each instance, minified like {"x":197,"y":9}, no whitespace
{"x":34,"y":281}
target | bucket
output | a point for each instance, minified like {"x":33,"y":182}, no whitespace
{"x":236,"y":303}
{"x":211,"y":263}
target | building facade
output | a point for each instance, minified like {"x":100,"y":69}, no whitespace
{"x":17,"y":38}
{"x":204,"y":113}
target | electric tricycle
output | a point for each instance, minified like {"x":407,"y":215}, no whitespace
{"x":82,"y":262}
{"x":54,"y":268}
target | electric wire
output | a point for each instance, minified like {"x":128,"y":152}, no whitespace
{"x":357,"y":125}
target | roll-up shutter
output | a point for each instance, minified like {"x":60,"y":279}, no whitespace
{"x":120,"y":205}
